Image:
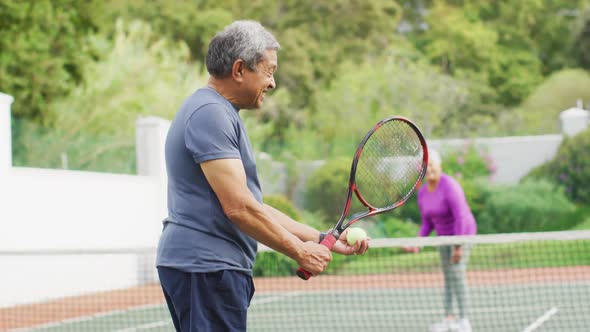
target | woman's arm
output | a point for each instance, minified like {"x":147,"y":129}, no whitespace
{"x":455,"y":197}
{"x":427,"y":226}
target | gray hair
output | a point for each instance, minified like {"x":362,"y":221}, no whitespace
{"x":434,"y":156}
{"x":246,"y":40}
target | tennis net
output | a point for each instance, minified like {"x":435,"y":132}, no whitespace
{"x":514,"y":282}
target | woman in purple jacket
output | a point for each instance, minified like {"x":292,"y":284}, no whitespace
{"x":444,"y":209}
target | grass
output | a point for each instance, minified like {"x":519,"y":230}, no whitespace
{"x":583,"y":226}
{"x":483,"y":257}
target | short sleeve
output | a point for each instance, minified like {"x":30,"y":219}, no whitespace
{"x":211,"y":133}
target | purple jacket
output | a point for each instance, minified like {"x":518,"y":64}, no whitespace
{"x":445,"y":210}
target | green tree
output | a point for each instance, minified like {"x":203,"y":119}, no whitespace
{"x":42,"y":49}
{"x":465,"y":41}
{"x":580,"y":44}
{"x":538,"y":27}
{"x":192,"y":22}
{"x":540,"y":111}
{"x":139,"y":74}
{"x":367,"y":92}
{"x":317,"y":35}
{"x":457,"y":42}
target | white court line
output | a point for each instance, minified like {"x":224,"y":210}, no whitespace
{"x":541,"y":320}
{"x":270,"y":299}
{"x":85,"y":318}
{"x":69,"y":321}
{"x":354,"y":312}
{"x":145,"y":326}
{"x":276,"y":298}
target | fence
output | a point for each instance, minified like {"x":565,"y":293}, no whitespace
{"x":48,"y":210}
{"x":43,"y":209}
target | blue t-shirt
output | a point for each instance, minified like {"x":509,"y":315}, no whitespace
{"x":197,"y":235}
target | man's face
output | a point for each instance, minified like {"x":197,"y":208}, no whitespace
{"x":257,"y":83}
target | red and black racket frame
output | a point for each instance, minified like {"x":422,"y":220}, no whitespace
{"x":334,"y":234}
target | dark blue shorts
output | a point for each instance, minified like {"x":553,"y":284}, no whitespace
{"x":216,"y":301}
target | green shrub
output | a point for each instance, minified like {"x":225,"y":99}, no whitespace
{"x":396,"y":228}
{"x":477,"y":192}
{"x":581,"y":218}
{"x":570,"y":168}
{"x":269,"y":264}
{"x":273,"y":264}
{"x":326,"y":189}
{"x":283,"y":204}
{"x":468,"y":162}
{"x":276,"y":264}
{"x":409,"y":211}
{"x":316,"y":220}
{"x":526,"y":207}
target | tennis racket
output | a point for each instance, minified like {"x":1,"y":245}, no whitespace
{"x":387,"y":168}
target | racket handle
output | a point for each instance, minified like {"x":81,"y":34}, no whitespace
{"x":328,"y":242}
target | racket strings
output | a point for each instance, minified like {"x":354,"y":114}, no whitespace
{"x":390,"y":165}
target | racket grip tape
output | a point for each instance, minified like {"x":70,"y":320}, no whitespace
{"x":328,"y":242}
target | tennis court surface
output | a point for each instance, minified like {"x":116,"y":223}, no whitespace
{"x":517,"y":282}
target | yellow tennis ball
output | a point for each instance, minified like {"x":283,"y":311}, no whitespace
{"x":355,"y":234}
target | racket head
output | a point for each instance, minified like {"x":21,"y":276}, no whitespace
{"x":388,"y":166}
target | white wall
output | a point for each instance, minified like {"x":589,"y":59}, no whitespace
{"x":513,"y":157}
{"x":5,"y":133}
{"x":44,"y":210}
{"x":62,"y":210}
{"x":56,"y":209}
{"x":37,"y":278}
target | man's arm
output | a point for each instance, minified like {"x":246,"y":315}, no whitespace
{"x":307,"y":233}
{"x":302,"y":231}
{"x":228,"y":180}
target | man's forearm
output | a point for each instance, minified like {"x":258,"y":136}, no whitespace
{"x":254,"y":220}
{"x":302,"y":231}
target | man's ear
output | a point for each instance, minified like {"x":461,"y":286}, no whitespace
{"x":237,"y":70}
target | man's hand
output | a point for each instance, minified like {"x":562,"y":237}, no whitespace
{"x":316,"y":258}
{"x":342,"y":247}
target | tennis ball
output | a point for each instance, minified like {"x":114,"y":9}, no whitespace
{"x":355,"y":234}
